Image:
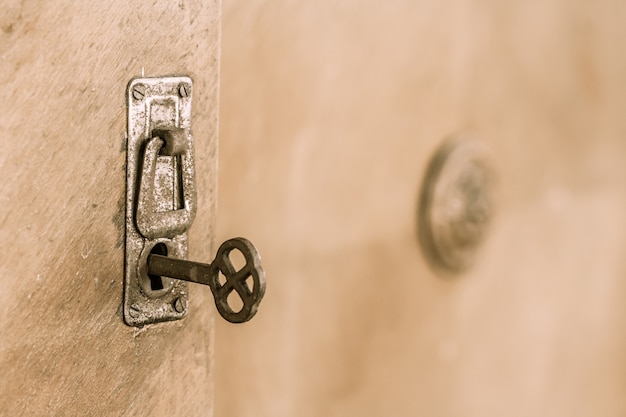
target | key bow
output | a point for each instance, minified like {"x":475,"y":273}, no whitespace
{"x":238,"y":280}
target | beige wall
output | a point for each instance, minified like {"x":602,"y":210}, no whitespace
{"x":64,"y":69}
{"x":330,"y":111}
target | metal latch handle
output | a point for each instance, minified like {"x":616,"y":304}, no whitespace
{"x":167,"y":224}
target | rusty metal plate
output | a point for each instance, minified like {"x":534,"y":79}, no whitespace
{"x":155,"y":104}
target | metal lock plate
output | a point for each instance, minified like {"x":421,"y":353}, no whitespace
{"x":161,"y":192}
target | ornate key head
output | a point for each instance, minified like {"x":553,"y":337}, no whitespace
{"x":248,"y":282}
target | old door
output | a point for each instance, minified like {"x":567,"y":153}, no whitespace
{"x":335,"y":109}
{"x":64,"y":69}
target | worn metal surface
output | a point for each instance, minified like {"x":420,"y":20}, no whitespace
{"x":158,"y":212}
{"x":456,"y":204}
{"x":151,"y":222}
{"x":235,"y":279}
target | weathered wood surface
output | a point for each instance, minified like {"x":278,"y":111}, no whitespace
{"x":64,"y":349}
{"x":330,"y":112}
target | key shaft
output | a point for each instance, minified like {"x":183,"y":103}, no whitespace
{"x":179,"y":269}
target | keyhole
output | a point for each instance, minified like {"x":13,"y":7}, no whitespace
{"x":154,"y":286}
{"x":156,"y":282}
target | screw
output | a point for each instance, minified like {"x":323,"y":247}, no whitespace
{"x":139,"y":91}
{"x":183,"y":90}
{"x":134,"y":311}
{"x":180,"y":305}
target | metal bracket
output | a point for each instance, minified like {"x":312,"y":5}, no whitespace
{"x":160,"y":195}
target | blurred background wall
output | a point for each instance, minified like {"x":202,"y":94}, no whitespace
{"x":330,"y":113}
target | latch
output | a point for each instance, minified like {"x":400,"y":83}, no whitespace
{"x":160,"y":209}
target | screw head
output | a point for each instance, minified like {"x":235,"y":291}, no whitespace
{"x":183,"y":90}
{"x":180,"y":305}
{"x":134,"y":311}
{"x":139,"y":91}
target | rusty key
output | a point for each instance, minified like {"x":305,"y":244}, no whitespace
{"x":250,"y":291}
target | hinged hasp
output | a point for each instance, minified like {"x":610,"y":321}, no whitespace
{"x":160,"y":194}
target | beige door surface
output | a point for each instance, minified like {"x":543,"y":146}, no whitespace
{"x":64,"y":68}
{"x":330,"y":112}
